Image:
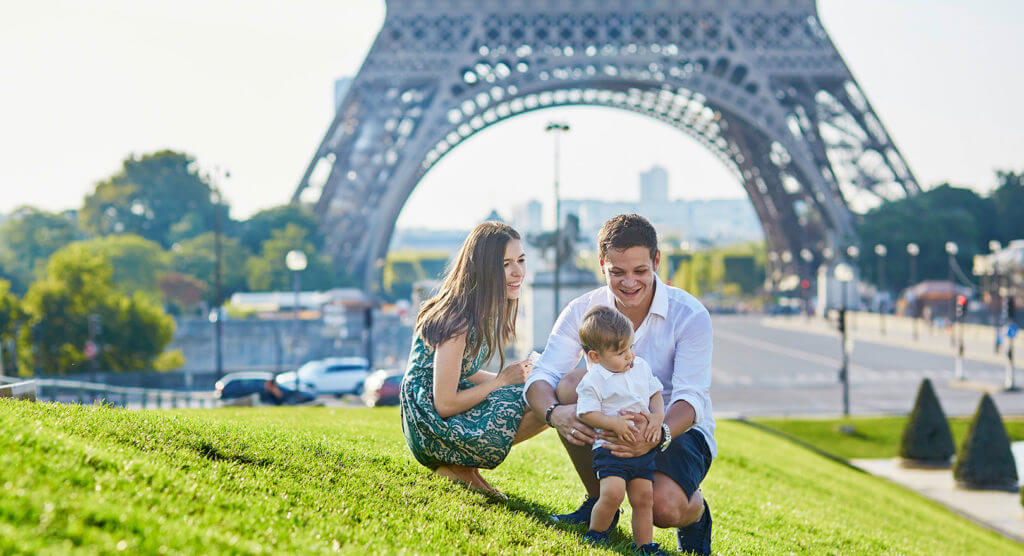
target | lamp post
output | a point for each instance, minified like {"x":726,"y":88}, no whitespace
{"x":295,"y":260}
{"x":996,"y":307}
{"x":951,"y":251}
{"x":557,"y":128}
{"x":913,"y":250}
{"x":853,"y":252}
{"x":844,"y":274}
{"x":805,"y":281}
{"x":213,"y":177}
{"x":881,"y":252}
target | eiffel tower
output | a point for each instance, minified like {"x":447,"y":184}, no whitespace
{"x":757,"y":82}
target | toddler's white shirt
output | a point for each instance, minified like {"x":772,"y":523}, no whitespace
{"x":608,"y":392}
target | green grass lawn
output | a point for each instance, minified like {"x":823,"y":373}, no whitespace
{"x":300,"y":480}
{"x":872,"y":437}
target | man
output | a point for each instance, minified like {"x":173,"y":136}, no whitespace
{"x":673,"y":333}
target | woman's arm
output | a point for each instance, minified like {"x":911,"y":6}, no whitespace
{"x":448,"y":399}
{"x":481,"y":377}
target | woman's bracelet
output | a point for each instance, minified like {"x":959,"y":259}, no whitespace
{"x":547,"y":414}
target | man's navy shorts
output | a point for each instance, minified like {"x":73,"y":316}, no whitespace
{"x":640,"y":467}
{"x":686,"y":461}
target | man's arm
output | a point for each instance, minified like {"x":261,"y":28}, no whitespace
{"x":691,"y":375}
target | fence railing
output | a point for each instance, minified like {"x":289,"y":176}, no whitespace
{"x":79,"y":392}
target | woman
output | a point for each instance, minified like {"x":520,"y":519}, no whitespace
{"x":457,"y":418}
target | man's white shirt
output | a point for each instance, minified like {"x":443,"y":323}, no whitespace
{"x":606,"y":392}
{"x":675,"y":338}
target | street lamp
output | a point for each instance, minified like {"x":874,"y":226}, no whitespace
{"x":881,"y":251}
{"x":213,"y":177}
{"x":853,"y":252}
{"x":951,"y":251}
{"x":844,"y":274}
{"x":995,"y":308}
{"x":913,"y":250}
{"x":805,"y":282}
{"x":295,"y":260}
{"x":557,"y":128}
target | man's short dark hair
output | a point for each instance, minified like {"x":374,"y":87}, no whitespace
{"x":625,"y":231}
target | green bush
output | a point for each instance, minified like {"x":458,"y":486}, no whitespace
{"x":985,"y":460}
{"x":927,"y":439}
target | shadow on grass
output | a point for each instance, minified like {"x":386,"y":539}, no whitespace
{"x":619,"y":542}
{"x":211,"y":452}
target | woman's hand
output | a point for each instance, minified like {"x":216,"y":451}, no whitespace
{"x":515,"y":373}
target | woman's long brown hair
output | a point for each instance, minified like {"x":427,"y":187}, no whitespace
{"x":472,"y":296}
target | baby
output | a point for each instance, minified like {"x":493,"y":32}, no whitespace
{"x":619,"y":381}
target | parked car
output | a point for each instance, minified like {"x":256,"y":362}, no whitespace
{"x":271,"y":389}
{"x":335,"y":375}
{"x":382,"y":387}
{"x":236,"y":385}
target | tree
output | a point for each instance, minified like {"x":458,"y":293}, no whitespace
{"x":1008,"y":198}
{"x":929,"y":219}
{"x":159,"y":196}
{"x":11,"y":316}
{"x":77,"y":302}
{"x":985,"y":460}
{"x":181,"y":291}
{"x":268,"y":271}
{"x":926,"y":439}
{"x":27,"y":239}
{"x":197,"y":258}
{"x":260,"y":226}
{"x":137,"y":263}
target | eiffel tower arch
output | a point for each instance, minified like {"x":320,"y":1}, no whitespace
{"x":757,"y":82}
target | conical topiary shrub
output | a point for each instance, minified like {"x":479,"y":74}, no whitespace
{"x":927,"y":441}
{"x":985,"y":460}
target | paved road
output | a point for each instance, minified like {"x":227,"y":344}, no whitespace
{"x":767,"y":367}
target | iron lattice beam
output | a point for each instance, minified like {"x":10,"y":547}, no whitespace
{"x":758,"y":83}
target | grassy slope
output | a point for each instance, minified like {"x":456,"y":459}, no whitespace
{"x":315,"y":479}
{"x":873,"y":437}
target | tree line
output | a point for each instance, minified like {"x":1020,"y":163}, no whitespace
{"x":95,"y":287}
{"x":932,"y":218}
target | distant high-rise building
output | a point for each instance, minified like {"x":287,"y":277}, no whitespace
{"x":654,"y":185}
{"x":528,"y":218}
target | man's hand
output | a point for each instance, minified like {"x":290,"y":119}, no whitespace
{"x":653,"y":431}
{"x":625,"y":429}
{"x":624,"y":448}
{"x":568,"y":425}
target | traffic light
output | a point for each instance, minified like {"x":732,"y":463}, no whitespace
{"x":842,"y":320}
{"x":1011,"y":309}
{"x":805,"y":283}
{"x":961,"y":305}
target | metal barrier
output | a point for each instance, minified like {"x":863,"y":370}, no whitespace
{"x":73,"y":391}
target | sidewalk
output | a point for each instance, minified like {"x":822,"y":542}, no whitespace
{"x":996,"y":510}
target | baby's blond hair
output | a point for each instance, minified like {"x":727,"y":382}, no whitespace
{"x":604,"y":328}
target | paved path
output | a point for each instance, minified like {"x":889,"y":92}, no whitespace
{"x":999,"y":511}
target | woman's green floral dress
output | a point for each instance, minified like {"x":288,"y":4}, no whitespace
{"x":479,"y":437}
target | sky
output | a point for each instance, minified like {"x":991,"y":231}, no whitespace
{"x":248,"y":86}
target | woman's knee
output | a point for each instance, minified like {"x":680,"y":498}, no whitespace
{"x":566,"y":391}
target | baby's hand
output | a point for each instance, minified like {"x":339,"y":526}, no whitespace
{"x":625,"y":429}
{"x":653,"y":430}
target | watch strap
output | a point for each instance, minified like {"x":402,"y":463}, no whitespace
{"x":547,"y":414}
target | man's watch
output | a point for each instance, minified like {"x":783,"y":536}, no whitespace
{"x":666,"y":437}
{"x":547,"y":414}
